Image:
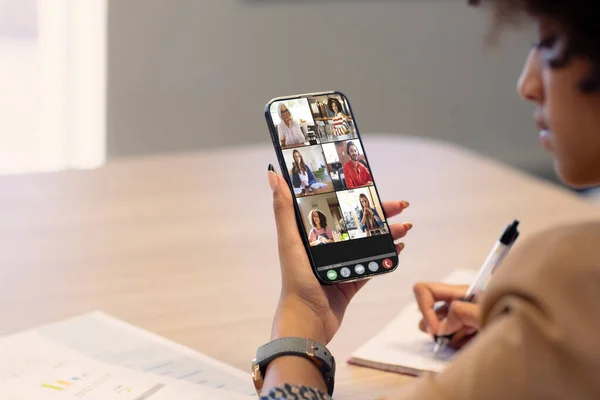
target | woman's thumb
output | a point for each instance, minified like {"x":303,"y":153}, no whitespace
{"x":273,"y":179}
{"x":283,"y":207}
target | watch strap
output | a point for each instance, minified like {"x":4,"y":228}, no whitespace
{"x":316,"y":352}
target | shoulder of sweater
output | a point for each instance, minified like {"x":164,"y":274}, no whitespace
{"x":562,"y":242}
{"x":547,"y":263}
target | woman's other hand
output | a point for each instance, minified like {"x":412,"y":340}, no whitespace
{"x":456,"y":316}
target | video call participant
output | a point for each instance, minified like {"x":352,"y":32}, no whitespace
{"x":368,"y":216}
{"x":355,"y":173}
{"x":289,"y":129}
{"x":320,"y":234}
{"x":302,"y":176}
{"x":340,"y":121}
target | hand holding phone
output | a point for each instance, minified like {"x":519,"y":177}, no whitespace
{"x":320,"y":308}
{"x":342,"y":223}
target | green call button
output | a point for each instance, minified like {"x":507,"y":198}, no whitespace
{"x":332,"y":275}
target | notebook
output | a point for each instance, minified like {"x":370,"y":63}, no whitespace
{"x":401,"y":347}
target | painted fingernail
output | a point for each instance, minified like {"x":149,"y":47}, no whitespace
{"x":408,"y":226}
{"x":442,"y":328}
{"x":400,"y":246}
{"x":273,"y":178}
{"x":405,"y":203}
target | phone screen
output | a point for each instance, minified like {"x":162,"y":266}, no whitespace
{"x":322,"y":156}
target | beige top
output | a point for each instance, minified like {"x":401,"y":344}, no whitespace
{"x":541,"y":326}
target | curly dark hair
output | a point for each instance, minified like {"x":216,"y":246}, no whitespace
{"x":580,"y":20}
{"x":349,"y":144}
{"x":337,"y":102}
{"x":322,"y":218}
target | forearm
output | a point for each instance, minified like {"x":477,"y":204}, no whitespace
{"x":294,"y":319}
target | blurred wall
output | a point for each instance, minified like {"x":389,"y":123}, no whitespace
{"x":189,"y":74}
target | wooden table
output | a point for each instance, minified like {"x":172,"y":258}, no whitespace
{"x":184,"y":245}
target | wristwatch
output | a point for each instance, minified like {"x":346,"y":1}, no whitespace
{"x":307,"y":348}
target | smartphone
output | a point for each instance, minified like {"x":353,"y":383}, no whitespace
{"x":338,"y":208}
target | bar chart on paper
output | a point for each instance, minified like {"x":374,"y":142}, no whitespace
{"x":75,"y":382}
{"x":63,"y":384}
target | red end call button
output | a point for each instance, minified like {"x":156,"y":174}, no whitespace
{"x":387,"y":263}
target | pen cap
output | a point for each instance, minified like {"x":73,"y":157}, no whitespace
{"x":510,"y":234}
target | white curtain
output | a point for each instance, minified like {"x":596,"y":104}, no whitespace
{"x":52,"y":75}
